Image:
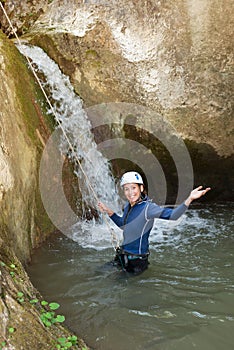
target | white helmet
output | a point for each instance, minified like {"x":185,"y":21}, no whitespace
{"x":131,"y":177}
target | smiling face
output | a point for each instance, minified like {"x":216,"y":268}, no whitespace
{"x":132,"y":192}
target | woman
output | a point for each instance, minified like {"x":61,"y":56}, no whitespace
{"x":137,"y":221}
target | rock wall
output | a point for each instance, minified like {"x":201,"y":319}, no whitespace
{"x":174,"y":57}
{"x":21,"y":311}
{"x":22,"y":15}
{"x":22,"y":134}
{"x":24,"y":224}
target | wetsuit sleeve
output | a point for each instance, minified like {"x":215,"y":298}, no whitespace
{"x":118,"y":220}
{"x":155,"y":211}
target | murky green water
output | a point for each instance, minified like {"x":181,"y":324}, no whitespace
{"x":185,"y":300}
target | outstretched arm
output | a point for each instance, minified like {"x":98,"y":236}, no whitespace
{"x":195,"y":194}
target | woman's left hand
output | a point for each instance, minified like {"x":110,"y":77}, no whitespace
{"x":196,"y":193}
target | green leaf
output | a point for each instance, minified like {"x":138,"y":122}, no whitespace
{"x":34,"y":301}
{"x":62,"y":340}
{"x":45,"y":320}
{"x":60,"y":318}
{"x":44,"y":303}
{"x":20,"y":300}
{"x":47,"y":323}
{"x":73,"y":339}
{"x":12,"y":266}
{"x":54,"y":306}
{"x":20,"y":294}
{"x":11,"y":330}
{"x":68,"y":344}
{"x":49,"y":315}
{"x":2,"y":263}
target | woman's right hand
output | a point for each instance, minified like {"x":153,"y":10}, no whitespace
{"x":104,"y":209}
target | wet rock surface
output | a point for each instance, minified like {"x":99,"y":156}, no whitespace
{"x":23,"y":221}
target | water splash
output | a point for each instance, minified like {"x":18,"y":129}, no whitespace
{"x":69,"y":112}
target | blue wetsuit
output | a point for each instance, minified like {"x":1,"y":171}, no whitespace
{"x":137,"y":222}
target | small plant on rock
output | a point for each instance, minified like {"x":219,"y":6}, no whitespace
{"x":48,"y":317}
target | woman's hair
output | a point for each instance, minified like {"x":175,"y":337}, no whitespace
{"x":144,"y":192}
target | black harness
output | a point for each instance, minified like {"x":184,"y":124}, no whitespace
{"x":131,"y":262}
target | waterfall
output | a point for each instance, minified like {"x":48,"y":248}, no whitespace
{"x":69,"y":111}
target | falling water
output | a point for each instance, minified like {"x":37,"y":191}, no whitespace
{"x":69,"y":112}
